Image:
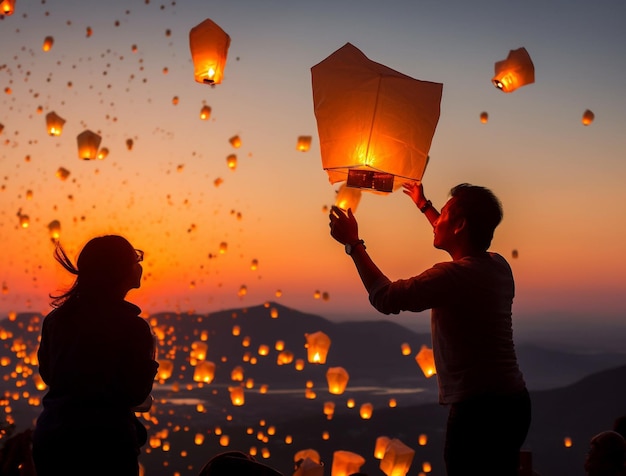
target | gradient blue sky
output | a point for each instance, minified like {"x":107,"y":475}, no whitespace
{"x":561,"y":183}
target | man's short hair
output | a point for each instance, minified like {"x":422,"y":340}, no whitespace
{"x":481,"y":210}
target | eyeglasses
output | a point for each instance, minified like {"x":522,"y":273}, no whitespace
{"x":139,"y":255}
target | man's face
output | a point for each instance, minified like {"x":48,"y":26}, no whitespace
{"x":444,"y":228}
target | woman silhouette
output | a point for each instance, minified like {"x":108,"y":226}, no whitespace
{"x":97,"y":357}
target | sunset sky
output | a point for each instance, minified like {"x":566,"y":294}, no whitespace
{"x":561,"y":183}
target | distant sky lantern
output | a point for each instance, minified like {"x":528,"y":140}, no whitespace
{"x":567,"y":442}
{"x":103,"y":153}
{"x":515,"y":71}
{"x":426,"y":360}
{"x":366,"y":411}
{"x":209,"y":49}
{"x":515,"y":254}
{"x":299,"y":364}
{"x":175,"y":100}
{"x":398,"y":458}
{"x":62,"y":173}
{"x":422,"y":439}
{"x":235,"y":141}
{"x":243,"y":290}
{"x":588,"y":117}
{"x":337,"y":378}
{"x":329,"y":410}
{"x":375,"y":124}
{"x":317,"y":345}
{"x":47,"y":43}
{"x":199,"y":350}
{"x":205,"y":113}
{"x":254,"y":264}
{"x":310,"y":453}
{"x":89,"y":31}
{"x":381,"y":446}
{"x":236,"y":330}
{"x":204,"y":372}
{"x":346,"y":463}
{"x":129,"y":144}
{"x":223,"y":248}
{"x":279,"y":345}
{"x":24,"y":219}
{"x":54,"y":124}
{"x":264,"y":349}
{"x":166,"y":368}
{"x":304,"y":143}
{"x":88,"y":143}
{"x":231,"y":161}
{"x":274,"y":313}
{"x":236,"y":375}
{"x":348,"y":197}
{"x":405,"y":348}
{"x":54,"y":227}
{"x":237,"y":396}
{"x":484,"y":117}
{"x":7,"y":7}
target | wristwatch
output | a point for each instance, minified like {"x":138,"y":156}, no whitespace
{"x":351,"y":246}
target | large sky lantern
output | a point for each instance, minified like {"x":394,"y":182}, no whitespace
{"x":375,"y":124}
{"x":54,"y":124}
{"x":204,"y":372}
{"x":317,"y":345}
{"x":348,"y":197}
{"x":209,"y":49}
{"x":366,"y":410}
{"x":337,"y":378}
{"x":398,"y":458}
{"x":7,"y":7}
{"x":346,"y":463}
{"x":588,"y":117}
{"x":88,"y":144}
{"x":515,"y":71}
{"x":381,"y":446}
{"x":237,"y":397}
{"x":308,"y":467}
{"x":426,"y":360}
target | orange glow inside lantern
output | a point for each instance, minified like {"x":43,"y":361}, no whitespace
{"x":397,"y":459}
{"x":588,"y":117}
{"x":375,"y":124}
{"x":88,"y":144}
{"x":422,"y":440}
{"x":317,"y":345}
{"x":381,"y":446}
{"x":7,"y":7}
{"x":346,"y":463}
{"x":54,"y":124}
{"x":284,"y":357}
{"x":405,"y":348}
{"x":103,"y":153}
{"x":231,"y":161}
{"x":237,"y":397}
{"x":337,"y":378}
{"x":304,"y":143}
{"x":426,"y":360}
{"x":235,"y":141}
{"x":567,"y":442}
{"x":366,"y":410}
{"x":515,"y":71}
{"x":204,"y":372}
{"x":299,"y":364}
{"x":348,"y":198}
{"x":484,"y":117}
{"x":209,"y":49}
{"x":47,"y":43}
{"x":264,"y":349}
{"x":54,"y":227}
{"x":166,"y":368}
{"x":427,"y":467}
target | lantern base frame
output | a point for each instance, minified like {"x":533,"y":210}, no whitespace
{"x":370,"y":179}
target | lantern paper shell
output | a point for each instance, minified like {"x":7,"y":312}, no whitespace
{"x":372,"y":119}
{"x":381,"y":446}
{"x":309,"y":453}
{"x":426,"y":360}
{"x":515,"y":71}
{"x":304,"y":143}
{"x":237,"y":396}
{"x":484,"y":117}
{"x":337,"y":378}
{"x":166,"y":368}
{"x":205,"y":113}
{"x":346,"y":463}
{"x":7,"y":7}
{"x":204,"y":372}
{"x":348,"y":198}
{"x":366,"y":410}
{"x":398,"y":458}
{"x":209,"y":49}
{"x":54,"y":227}
{"x":88,"y":143}
{"x":588,"y":117}
{"x":54,"y":123}
{"x":235,"y":141}
{"x":317,"y":345}
{"x":47,"y":43}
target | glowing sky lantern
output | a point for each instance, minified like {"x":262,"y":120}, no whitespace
{"x":588,"y":117}
{"x":405,"y":348}
{"x":198,"y":350}
{"x":308,"y":467}
{"x":337,"y":378}
{"x":47,"y":43}
{"x":7,"y":7}
{"x":426,"y":360}
{"x":103,"y":153}
{"x":235,"y":141}
{"x":515,"y":71}
{"x":375,"y":124}
{"x":317,"y":345}
{"x":381,"y":446}
{"x":204,"y":372}
{"x":309,"y":453}
{"x":205,"y":113}
{"x":88,"y":143}
{"x":348,"y":197}
{"x":166,"y":368}
{"x":304,"y":143}
{"x":422,"y":439}
{"x":398,"y":458}
{"x":366,"y":410}
{"x":231,"y":161}
{"x":484,"y":117}
{"x":54,"y":124}
{"x":329,"y":410}
{"x":23,"y":218}
{"x":346,"y":463}
{"x":209,"y":49}
{"x":567,"y":442}
{"x":236,"y":375}
{"x":62,"y":173}
{"x":237,"y":397}
{"x":129,"y":144}
{"x":54,"y":227}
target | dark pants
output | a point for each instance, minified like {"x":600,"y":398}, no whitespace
{"x":485,"y":433}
